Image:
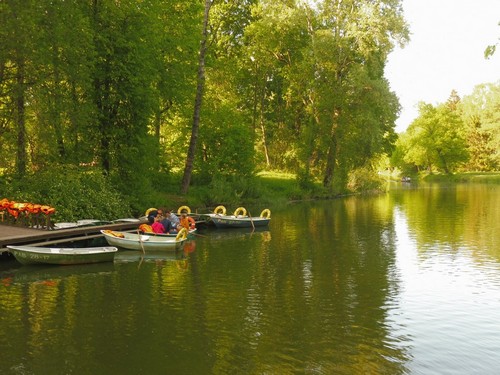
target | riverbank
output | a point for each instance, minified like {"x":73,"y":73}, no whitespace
{"x":266,"y":189}
{"x":272,"y":189}
{"x":488,"y":177}
{"x":98,"y":199}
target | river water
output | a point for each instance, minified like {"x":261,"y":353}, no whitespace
{"x":406,"y":282}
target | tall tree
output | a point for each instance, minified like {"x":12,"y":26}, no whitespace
{"x":437,"y":139}
{"x":188,"y":168}
{"x":18,"y":25}
{"x":480,"y":112}
{"x":351,"y":42}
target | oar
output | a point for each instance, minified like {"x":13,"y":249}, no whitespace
{"x":140,"y":241}
{"x":140,"y":262}
{"x":250,"y":216}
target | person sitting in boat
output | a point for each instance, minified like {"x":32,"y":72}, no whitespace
{"x":174,"y":220}
{"x":186,"y":221}
{"x":157,"y":226}
{"x":147,"y":228}
{"x":165,"y":221}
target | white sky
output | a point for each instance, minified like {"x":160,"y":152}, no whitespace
{"x":446,"y":52}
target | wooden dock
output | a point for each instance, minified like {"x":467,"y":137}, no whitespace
{"x":16,"y":235}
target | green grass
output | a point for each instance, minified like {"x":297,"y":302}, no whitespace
{"x":488,"y":177}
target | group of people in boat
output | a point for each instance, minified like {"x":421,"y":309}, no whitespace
{"x":164,"y":221}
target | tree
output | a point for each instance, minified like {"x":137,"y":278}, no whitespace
{"x":351,"y":41}
{"x":188,"y":168}
{"x":479,"y":110}
{"x":437,"y":139}
{"x":491,"y":49}
{"x":17,"y":70}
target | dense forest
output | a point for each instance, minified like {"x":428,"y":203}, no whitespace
{"x":111,"y":101}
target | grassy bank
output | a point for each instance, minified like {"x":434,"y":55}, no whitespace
{"x":483,"y":177}
{"x":83,"y":195}
{"x":266,"y":189}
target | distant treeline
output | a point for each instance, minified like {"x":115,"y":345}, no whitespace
{"x":460,"y":135}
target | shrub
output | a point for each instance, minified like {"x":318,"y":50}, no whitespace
{"x":364,"y":180}
{"x":75,"y":193}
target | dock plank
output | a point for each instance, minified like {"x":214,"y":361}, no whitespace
{"x":14,"y":235}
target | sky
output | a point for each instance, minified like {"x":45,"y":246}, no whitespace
{"x":446,"y":52}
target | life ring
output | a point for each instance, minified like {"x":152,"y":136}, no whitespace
{"x":182,"y":235}
{"x":181,"y":208}
{"x":145,"y":228}
{"x":150,"y":210}
{"x":266,"y":214}
{"x":220,"y":210}
{"x":240,"y":211}
{"x":113,"y":233}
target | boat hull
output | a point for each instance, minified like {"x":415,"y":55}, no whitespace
{"x":221,"y":221}
{"x":191,"y":234}
{"x":62,"y":256}
{"x":132,"y":241}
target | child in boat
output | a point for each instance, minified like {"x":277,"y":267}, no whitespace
{"x":157,"y":226}
{"x":186,"y":221}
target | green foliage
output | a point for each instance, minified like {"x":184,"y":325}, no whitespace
{"x":75,"y":193}
{"x":365,"y":179}
{"x":111,"y":85}
{"x":276,"y":186}
{"x":480,"y":113}
{"x":226,"y":146}
{"x":225,"y":190}
{"x":436,"y":139}
{"x":399,"y":157}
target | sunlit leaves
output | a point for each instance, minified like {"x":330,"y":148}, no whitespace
{"x":437,"y":139}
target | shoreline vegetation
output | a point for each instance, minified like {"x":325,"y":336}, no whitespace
{"x":82,"y":196}
{"x":135,"y":116}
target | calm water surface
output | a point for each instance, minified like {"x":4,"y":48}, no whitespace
{"x":402,"y":283}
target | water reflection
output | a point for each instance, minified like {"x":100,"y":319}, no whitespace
{"x":382,"y":284}
{"x":448,"y":287}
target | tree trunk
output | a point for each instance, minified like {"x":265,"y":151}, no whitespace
{"x":21,"y":156}
{"x":330,"y":163}
{"x":55,"y":116}
{"x":188,"y":168}
{"x":443,"y":161}
{"x":262,"y":127}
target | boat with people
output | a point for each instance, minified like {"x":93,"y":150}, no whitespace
{"x":190,"y":234}
{"x":62,"y":255}
{"x":138,"y":241}
{"x":239,"y":219}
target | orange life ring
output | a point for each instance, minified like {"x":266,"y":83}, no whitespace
{"x":145,"y":228}
{"x":114,"y":234}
